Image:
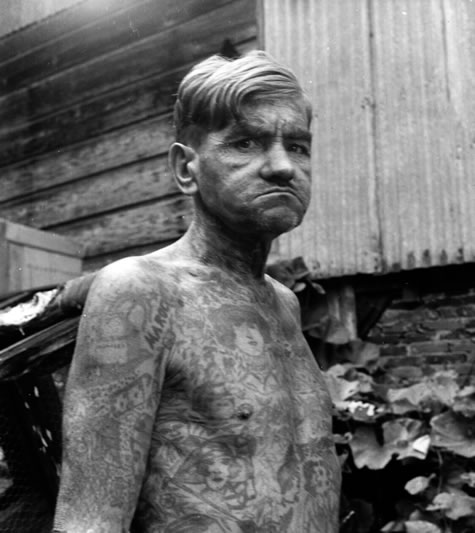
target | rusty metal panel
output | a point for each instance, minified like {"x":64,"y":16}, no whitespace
{"x":392,"y":83}
{"x":425,"y":191}
{"x":460,"y":45}
{"x":326,"y":43}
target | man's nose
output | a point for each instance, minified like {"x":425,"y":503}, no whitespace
{"x":277,"y":166}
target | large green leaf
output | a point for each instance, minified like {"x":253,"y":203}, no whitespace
{"x":402,"y":438}
{"x":441,"y":389}
{"x":454,"y":432}
{"x":417,"y":485}
{"x":340,"y":388}
{"x":421,"y":526}
{"x":465,"y":401}
{"x":454,"y":504}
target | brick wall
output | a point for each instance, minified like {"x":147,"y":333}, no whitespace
{"x":436,"y":331}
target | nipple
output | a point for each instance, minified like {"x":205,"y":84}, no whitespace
{"x":244,"y":411}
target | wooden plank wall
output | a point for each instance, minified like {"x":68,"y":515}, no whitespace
{"x":85,"y":117}
{"x":16,"y":14}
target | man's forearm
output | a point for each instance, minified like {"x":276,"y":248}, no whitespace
{"x":107,"y":435}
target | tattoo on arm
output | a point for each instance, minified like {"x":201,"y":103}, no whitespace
{"x":111,"y":400}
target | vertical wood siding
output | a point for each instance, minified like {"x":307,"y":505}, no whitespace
{"x":394,"y":128}
{"x":85,"y":117}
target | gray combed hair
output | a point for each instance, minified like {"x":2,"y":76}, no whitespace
{"x":212,"y":94}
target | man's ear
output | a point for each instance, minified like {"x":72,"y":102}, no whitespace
{"x":183,"y":161}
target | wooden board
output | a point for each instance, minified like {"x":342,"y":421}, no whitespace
{"x":62,"y":23}
{"x":100,"y":36}
{"x":25,"y":115}
{"x":94,"y":263}
{"x":83,"y":143}
{"x":115,"y":189}
{"x":21,"y":124}
{"x":144,"y":224}
{"x":21,"y":235}
{"x":21,"y":137}
{"x":34,"y":267}
{"x":31,"y":258}
{"x":175,"y":47}
{"x":127,"y":145}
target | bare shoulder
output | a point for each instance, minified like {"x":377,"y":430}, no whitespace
{"x":125,"y":313}
{"x":284,"y":294}
{"x":132,"y":279}
{"x":128,"y":274}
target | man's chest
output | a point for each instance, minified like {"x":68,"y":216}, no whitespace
{"x":244,"y":416}
{"x":234,"y":363}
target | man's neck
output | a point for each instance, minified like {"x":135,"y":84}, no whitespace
{"x":209,"y":241}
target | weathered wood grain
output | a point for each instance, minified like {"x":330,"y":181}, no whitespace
{"x":160,"y":221}
{"x":83,"y":145}
{"x":32,"y":258}
{"x":139,"y":141}
{"x":87,"y":120}
{"x":25,"y":109}
{"x":171,"y":49}
{"x":112,"y":190}
{"x":150,"y":97}
{"x":101,"y":35}
{"x":64,"y":22}
{"x":94,"y":263}
{"x":33,"y":238}
{"x":94,"y":81}
{"x":90,"y":118}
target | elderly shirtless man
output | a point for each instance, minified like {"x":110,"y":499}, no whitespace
{"x":194,"y":403}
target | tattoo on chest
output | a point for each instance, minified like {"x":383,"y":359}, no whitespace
{"x":242,"y":436}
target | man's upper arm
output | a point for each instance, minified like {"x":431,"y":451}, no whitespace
{"x":111,"y":399}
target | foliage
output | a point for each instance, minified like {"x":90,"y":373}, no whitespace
{"x":407,"y":447}
{"x":417,"y":439}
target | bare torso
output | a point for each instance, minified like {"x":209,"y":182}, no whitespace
{"x":242,"y":438}
{"x":193,"y":403}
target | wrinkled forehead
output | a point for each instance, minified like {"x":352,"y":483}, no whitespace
{"x":299,"y":108}
{"x":260,"y":115}
{"x":283,"y":116}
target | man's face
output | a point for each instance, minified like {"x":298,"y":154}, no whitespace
{"x":254,"y":175}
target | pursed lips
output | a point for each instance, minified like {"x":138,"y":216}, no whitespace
{"x":280,"y":190}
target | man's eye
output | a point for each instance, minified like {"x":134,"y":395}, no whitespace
{"x":300,"y":149}
{"x":244,"y":144}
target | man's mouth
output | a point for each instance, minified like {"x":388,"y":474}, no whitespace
{"x":282,"y":193}
{"x":279,"y":191}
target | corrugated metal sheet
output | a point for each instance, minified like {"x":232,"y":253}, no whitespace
{"x":392,"y":84}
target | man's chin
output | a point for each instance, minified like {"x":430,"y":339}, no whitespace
{"x":280,"y":221}
{"x":268,"y":223}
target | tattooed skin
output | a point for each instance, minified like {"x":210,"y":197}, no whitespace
{"x":198,"y":407}
{"x":193,"y":403}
